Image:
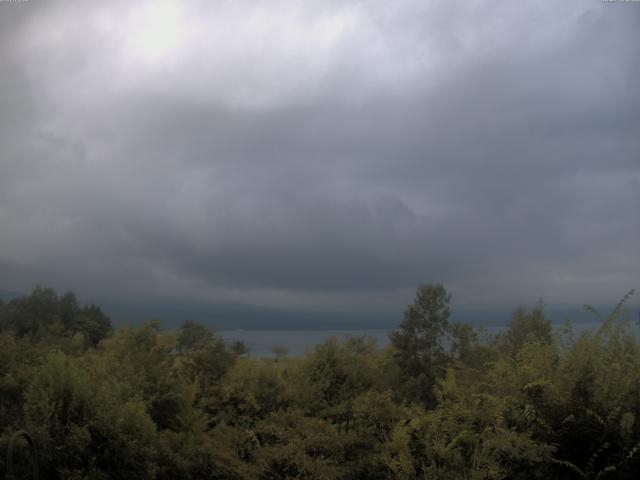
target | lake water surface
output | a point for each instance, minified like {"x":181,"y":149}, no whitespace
{"x":298,"y":342}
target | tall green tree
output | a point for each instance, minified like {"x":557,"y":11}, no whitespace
{"x":418,"y":342}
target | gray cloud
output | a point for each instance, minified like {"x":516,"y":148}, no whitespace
{"x":321,"y":153}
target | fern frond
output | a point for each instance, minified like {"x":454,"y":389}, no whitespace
{"x":621,"y":303}
{"x":606,"y":470}
{"x":595,"y":415}
{"x":606,"y":325}
{"x":634,"y":451}
{"x":593,"y":310}
{"x":569,"y":465}
{"x":595,"y":457}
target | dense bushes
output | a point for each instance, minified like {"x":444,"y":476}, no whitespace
{"x":147,"y":403}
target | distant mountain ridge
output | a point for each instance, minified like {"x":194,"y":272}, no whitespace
{"x":232,"y":316}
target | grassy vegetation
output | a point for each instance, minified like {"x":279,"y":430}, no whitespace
{"x":146,"y":403}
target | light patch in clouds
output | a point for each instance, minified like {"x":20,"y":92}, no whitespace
{"x":154,"y":32}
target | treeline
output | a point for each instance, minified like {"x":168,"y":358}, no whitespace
{"x":145,"y":403}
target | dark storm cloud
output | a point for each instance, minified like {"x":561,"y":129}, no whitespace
{"x":324,"y":153}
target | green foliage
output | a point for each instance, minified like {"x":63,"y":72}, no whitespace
{"x":335,"y":374}
{"x":193,"y":336}
{"x":252,"y":391}
{"x":464,"y":342}
{"x":84,"y":429}
{"x":294,"y":446}
{"x":526,"y":327}
{"x":146,"y":403}
{"x":44,"y":314}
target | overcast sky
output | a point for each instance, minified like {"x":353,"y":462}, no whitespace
{"x":321,"y":154}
